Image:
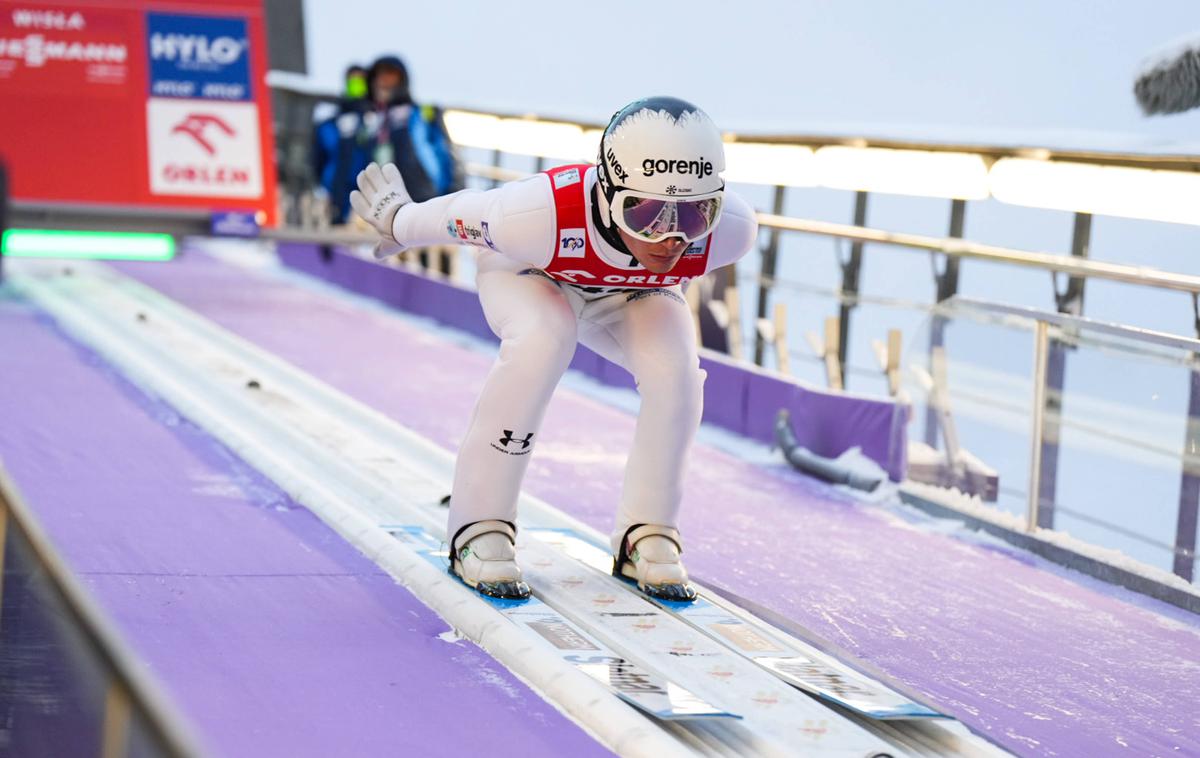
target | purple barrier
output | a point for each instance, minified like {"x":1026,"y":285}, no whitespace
{"x":737,"y":396}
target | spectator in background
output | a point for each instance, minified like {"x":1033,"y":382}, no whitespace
{"x":355,"y":89}
{"x":342,"y":144}
{"x":411,"y":136}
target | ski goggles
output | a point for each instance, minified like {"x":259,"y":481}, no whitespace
{"x":653,"y":218}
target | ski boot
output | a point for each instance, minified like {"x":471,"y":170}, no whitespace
{"x":484,"y":557}
{"x":649,"y":555}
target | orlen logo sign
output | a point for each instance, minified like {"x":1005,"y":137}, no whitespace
{"x":209,"y":133}
{"x":191,"y":49}
{"x":197,"y":125}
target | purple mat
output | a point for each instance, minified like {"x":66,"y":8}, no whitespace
{"x":1039,"y":662}
{"x":273,"y":635}
{"x":735,"y":398}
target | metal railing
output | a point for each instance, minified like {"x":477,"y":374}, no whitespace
{"x":1074,"y":266}
{"x":1057,"y":329}
{"x":136,"y":717}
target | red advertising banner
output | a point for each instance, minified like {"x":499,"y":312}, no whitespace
{"x":147,"y":103}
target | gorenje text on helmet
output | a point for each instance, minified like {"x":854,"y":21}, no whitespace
{"x":701,"y":167}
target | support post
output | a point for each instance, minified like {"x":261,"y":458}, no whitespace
{"x":1069,"y":301}
{"x":116,"y":721}
{"x":1041,"y":341}
{"x":1189,"y":485}
{"x":766,"y":272}
{"x":892,"y":368}
{"x":946,"y":284}
{"x":497,"y":156}
{"x":832,"y":349}
{"x":782,"y":358}
{"x":851,"y":268}
{"x":734,"y":331}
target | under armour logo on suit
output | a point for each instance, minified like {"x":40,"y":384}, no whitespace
{"x":508,"y":437}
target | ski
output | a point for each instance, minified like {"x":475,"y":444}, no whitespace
{"x":786,"y":659}
{"x":646,"y":690}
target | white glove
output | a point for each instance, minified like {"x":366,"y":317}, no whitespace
{"x":380,"y":194}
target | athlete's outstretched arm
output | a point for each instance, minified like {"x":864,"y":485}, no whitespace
{"x":516,"y":219}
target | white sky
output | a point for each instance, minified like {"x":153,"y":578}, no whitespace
{"x":914,"y":68}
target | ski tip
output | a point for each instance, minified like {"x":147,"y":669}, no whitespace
{"x":677,"y":593}
{"x":510,"y":590}
{"x":682,"y":594}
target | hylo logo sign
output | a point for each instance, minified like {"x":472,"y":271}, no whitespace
{"x":195,"y":48}
{"x":198,"y":56}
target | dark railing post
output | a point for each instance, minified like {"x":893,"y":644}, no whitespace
{"x":946,"y":284}
{"x":850,"y":273}
{"x":3,"y":542}
{"x":766,"y":274}
{"x":497,"y":158}
{"x":1189,"y":485}
{"x":1069,"y":301}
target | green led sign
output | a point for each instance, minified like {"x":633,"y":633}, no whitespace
{"x":120,"y":246}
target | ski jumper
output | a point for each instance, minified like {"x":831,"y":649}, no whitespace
{"x":547,"y":281}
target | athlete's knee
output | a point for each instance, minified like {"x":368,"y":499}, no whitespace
{"x":549,"y":340}
{"x":679,"y":382}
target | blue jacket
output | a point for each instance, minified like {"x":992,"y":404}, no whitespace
{"x":419,"y":146}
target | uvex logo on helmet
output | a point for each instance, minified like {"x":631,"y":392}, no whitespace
{"x":615,"y":164}
{"x":700,"y":168}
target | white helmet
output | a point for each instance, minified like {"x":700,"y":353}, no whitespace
{"x":667,"y":150}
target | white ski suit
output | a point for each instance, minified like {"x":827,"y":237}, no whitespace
{"x":547,"y":281}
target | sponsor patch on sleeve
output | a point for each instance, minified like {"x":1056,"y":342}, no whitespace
{"x":465,"y":232}
{"x":572,"y":243}
{"x":566,"y":178}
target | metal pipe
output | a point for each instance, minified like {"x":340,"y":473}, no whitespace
{"x":1073,"y":323}
{"x":956,"y":248}
{"x":333,"y":235}
{"x":964,"y":249}
{"x":1041,"y":350}
{"x":495,"y":172}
